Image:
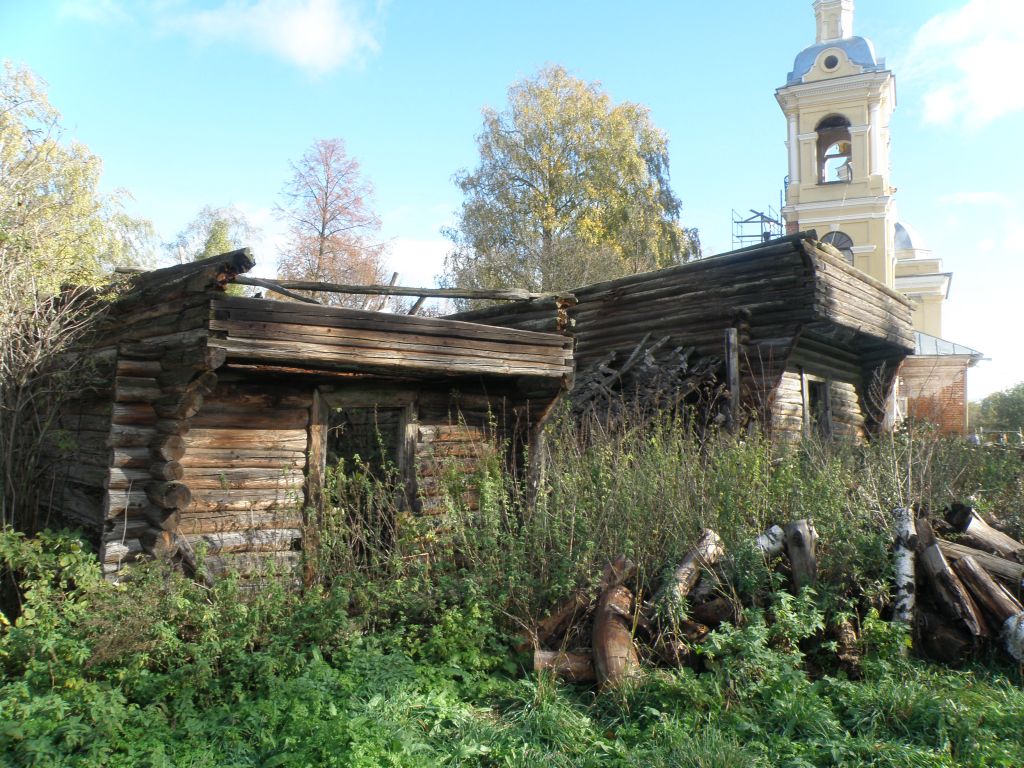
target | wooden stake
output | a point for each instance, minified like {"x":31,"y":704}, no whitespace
{"x":732,"y":375}
{"x":801,"y":546}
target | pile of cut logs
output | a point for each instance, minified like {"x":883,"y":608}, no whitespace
{"x":655,"y":376}
{"x":972,"y":585}
{"x":949,"y":592}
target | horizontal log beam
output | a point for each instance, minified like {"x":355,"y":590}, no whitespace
{"x":510,"y":294}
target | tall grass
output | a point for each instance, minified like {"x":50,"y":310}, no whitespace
{"x":398,"y":653}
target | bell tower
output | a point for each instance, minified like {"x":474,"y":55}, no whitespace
{"x":838,"y":101}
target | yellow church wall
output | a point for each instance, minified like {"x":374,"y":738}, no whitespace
{"x":927,"y":315}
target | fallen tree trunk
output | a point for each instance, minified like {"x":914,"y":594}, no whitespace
{"x":1007,"y":570}
{"x":966,"y":521}
{"x":558,"y":621}
{"x":615,"y":656}
{"x":801,"y":546}
{"x":708,"y":550}
{"x":565,"y":614}
{"x":617,"y":572}
{"x":1000,"y":604}
{"x":571,"y":667}
{"x":906,"y":543}
{"x":951,"y":592}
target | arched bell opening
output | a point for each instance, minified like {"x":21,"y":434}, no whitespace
{"x":835,"y":151}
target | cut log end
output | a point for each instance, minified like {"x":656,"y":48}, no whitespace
{"x":570,"y":667}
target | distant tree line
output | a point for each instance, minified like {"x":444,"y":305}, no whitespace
{"x":1001,"y":411}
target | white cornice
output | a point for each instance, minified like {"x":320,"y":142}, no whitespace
{"x":850,"y":217}
{"x":870,"y":84}
{"x":924,"y":285}
{"x":850,"y":201}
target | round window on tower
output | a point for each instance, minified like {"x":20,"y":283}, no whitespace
{"x":831,"y":62}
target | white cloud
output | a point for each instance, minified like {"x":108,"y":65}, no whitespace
{"x":970,"y":54}
{"x":317,"y":35}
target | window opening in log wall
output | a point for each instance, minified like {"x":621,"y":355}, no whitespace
{"x":819,"y":408}
{"x":369,"y":439}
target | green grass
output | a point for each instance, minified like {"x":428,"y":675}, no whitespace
{"x":401,"y":654}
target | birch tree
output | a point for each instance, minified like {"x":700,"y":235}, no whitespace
{"x":570,"y":189}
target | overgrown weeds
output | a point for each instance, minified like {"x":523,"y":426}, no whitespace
{"x":400,"y":652}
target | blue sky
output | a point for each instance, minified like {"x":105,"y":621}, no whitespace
{"x":193,"y":102}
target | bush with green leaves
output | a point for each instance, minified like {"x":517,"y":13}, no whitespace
{"x":399,"y":652}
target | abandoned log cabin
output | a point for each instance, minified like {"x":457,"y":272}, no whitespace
{"x":214,"y":416}
{"x":813,"y":343}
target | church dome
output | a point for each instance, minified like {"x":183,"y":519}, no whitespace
{"x":907,"y":239}
{"x":859,"y":50}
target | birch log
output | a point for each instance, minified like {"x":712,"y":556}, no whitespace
{"x":906,"y":543}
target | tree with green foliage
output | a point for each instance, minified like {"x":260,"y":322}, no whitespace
{"x":56,"y":229}
{"x":213,"y":231}
{"x":570,"y":189}
{"x":56,"y":226}
{"x":1002,"y":411}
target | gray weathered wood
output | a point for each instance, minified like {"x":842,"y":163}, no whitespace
{"x":801,"y":546}
{"x":953,"y":596}
{"x":568,"y":666}
{"x":615,"y":655}
{"x":965,"y":520}
{"x":510,"y":294}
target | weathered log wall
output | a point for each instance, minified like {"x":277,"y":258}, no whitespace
{"x":833,"y":367}
{"x":206,"y":427}
{"x":773,"y":294}
{"x":299,"y":335}
{"x":244,"y":463}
